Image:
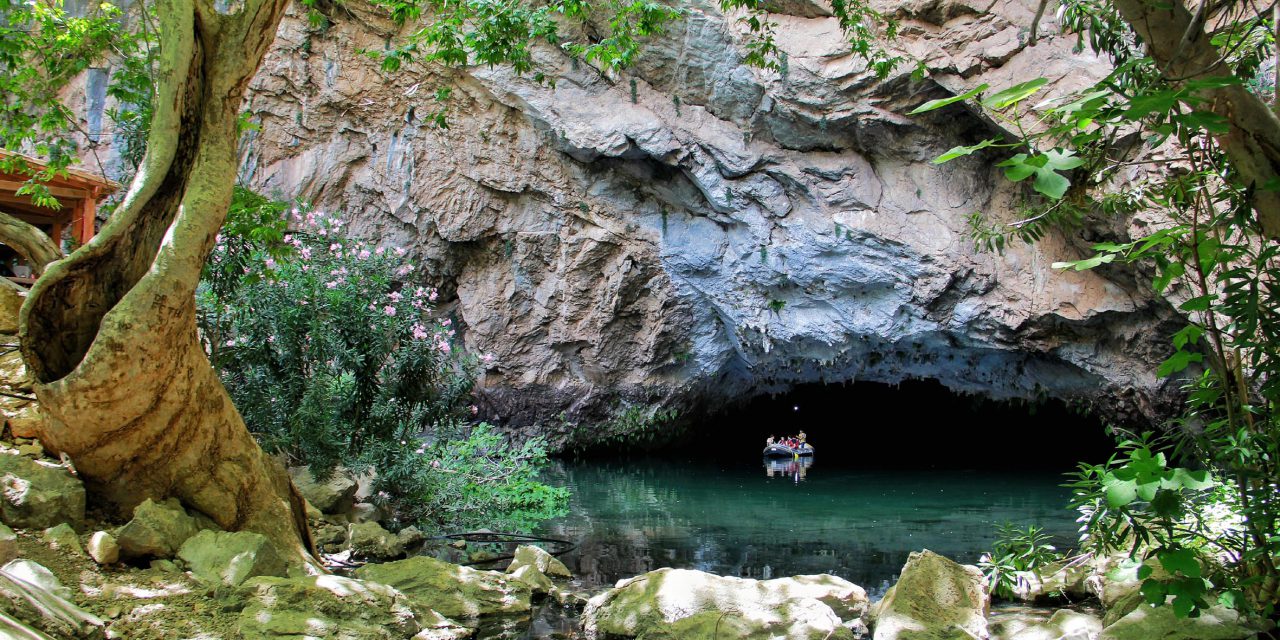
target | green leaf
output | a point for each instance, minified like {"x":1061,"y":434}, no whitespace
{"x":1177,"y":362}
{"x":1189,"y":334}
{"x":1166,"y":504}
{"x":1014,"y":94}
{"x":1051,"y":183}
{"x":958,"y":152}
{"x":1119,"y":493}
{"x":1154,"y":591}
{"x":1182,"y":561}
{"x":1166,"y":276}
{"x":1207,"y":120}
{"x":1062,"y":160}
{"x":942,"y":102}
{"x":1199,"y":303}
{"x":1193,"y":480}
{"x":1143,"y":105}
{"x":1087,"y":263}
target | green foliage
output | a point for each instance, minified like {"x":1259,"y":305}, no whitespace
{"x":333,"y":356}
{"x":43,"y":47}
{"x":777,"y":306}
{"x":1210,"y":489}
{"x":1016,"y":550}
{"x":632,"y":426}
{"x":862,"y":25}
{"x":475,"y":480}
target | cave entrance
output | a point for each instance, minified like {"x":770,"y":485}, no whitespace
{"x":917,"y":424}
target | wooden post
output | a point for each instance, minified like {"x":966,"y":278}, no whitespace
{"x":88,"y":216}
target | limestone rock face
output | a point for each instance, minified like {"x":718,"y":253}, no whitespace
{"x":8,"y":544}
{"x":157,"y":530}
{"x":460,"y":593}
{"x":339,"y":608}
{"x":935,"y":599}
{"x":38,"y":495}
{"x":35,"y":605}
{"x":335,"y":495}
{"x":1063,"y":625}
{"x":225,"y":558}
{"x":682,"y":603}
{"x":695,"y":229}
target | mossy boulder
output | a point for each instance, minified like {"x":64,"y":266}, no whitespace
{"x":370,"y":541}
{"x":693,"y":605}
{"x":226,"y":558}
{"x":337,"y":608}
{"x":537,"y":557}
{"x":335,"y":494}
{"x":935,"y":599}
{"x":1148,"y":623}
{"x":39,"y":495}
{"x":157,"y":530}
{"x":457,"y":592}
{"x":537,"y":581}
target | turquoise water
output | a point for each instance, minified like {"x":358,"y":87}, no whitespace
{"x":747,"y":519}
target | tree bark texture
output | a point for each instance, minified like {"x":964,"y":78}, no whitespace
{"x":32,"y":244}
{"x":1179,"y":45}
{"x":110,"y":334}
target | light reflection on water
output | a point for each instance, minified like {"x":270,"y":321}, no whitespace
{"x":789,"y":517}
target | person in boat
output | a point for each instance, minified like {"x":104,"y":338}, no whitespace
{"x":769,"y":442}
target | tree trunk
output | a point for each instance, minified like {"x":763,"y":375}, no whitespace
{"x":1177,"y":42}
{"x":32,"y":244}
{"x":109,"y":333}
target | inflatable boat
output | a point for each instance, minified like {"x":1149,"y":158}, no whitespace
{"x":783,"y":451}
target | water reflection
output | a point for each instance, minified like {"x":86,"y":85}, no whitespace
{"x":794,"y":468}
{"x":629,"y":518}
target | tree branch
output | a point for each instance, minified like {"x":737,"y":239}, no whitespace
{"x":1182,"y":49}
{"x":31,"y":243}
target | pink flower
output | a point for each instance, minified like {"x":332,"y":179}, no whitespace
{"x":332,"y":284}
{"x":335,"y":247}
{"x":305,"y":253}
{"x":446,"y":322}
{"x":433,"y":295}
{"x":380,"y":250}
{"x":271,"y":264}
{"x":419,"y":332}
{"x":435,"y":464}
{"x":400,"y":252}
{"x":405,"y":270}
{"x":487,"y":358}
{"x":231,"y":343}
{"x":443,"y":346}
{"x":474,"y":410}
{"x":389,"y":310}
{"x":363,"y":255}
{"x":395,"y":296}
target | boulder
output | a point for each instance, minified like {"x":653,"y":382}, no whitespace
{"x":334,"y":495}
{"x":457,"y":592}
{"x":935,"y":599}
{"x":329,"y":538}
{"x":337,"y":608}
{"x":687,"y":604}
{"x":38,"y":495}
{"x":370,"y":540}
{"x":230,"y":558}
{"x":1063,"y":625}
{"x":1148,"y":623}
{"x":29,"y":608}
{"x":103,"y":548}
{"x":157,"y":530}
{"x":64,"y":538}
{"x":537,"y":581}
{"x":537,"y":557}
{"x":8,"y":544}
{"x":410,"y":537}
{"x":36,"y":574}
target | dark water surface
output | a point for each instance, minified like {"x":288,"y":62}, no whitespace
{"x":747,"y":519}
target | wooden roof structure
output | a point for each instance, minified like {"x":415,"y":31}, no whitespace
{"x":77,"y":191}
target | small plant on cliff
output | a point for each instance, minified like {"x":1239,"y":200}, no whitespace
{"x":333,"y":356}
{"x":632,"y":425}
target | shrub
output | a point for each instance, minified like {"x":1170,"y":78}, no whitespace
{"x":333,"y":356}
{"x":1016,"y":549}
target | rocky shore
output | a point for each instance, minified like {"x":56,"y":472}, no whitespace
{"x":167,"y":573}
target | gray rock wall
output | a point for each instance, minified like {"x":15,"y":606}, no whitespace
{"x":696,"y":230}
